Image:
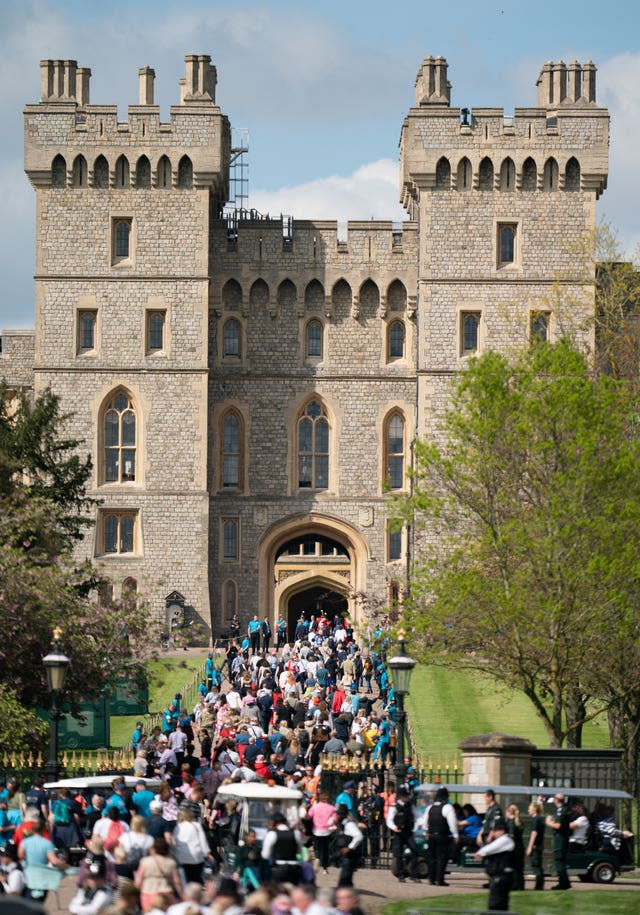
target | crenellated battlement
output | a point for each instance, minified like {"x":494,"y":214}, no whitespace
{"x":565,"y":138}
{"x":67,"y":139}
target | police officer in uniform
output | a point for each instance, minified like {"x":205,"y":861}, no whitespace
{"x":442,"y":828}
{"x":400,"y":821}
{"x":497,"y":854}
{"x":559,"y":822}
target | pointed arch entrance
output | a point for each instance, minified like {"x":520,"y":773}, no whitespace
{"x":310,"y":563}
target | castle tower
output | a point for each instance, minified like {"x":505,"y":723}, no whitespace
{"x":122,"y":280}
{"x":503,"y":206}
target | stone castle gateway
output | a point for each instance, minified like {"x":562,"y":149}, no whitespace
{"x":249,"y":388}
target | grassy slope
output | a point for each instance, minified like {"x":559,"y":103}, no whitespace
{"x":167,"y":676}
{"x":589,"y":902}
{"x":446,"y":706}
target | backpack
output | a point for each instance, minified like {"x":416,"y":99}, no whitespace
{"x":112,"y":838}
{"x":61,"y":813}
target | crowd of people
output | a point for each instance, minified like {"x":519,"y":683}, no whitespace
{"x":275,"y":715}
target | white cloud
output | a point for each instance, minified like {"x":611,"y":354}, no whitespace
{"x":619,"y":88}
{"x":371,"y":192}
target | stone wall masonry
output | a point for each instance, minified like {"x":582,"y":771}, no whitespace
{"x":356,"y":410}
{"x":461,"y":237}
{"x":120,"y":335}
{"x":367,"y":252}
{"x":256,"y":516}
{"x":429,"y":134}
{"x":16,"y":358}
{"x":171,"y":417}
{"x":173,"y":556}
{"x":168,"y":237}
{"x":506,"y":314}
{"x":204,"y":135}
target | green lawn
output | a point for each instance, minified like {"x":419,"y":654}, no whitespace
{"x":587,"y":902}
{"x":167,"y":676}
{"x":446,"y":706}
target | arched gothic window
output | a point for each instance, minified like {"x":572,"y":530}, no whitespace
{"x":58,"y":172}
{"x":119,"y":428}
{"x":508,"y":175}
{"x":231,"y":348}
{"x":122,"y":172}
{"x":395,"y":341}
{"x":550,"y":175}
{"x":443,"y":174}
{"x":313,"y":342}
{"x":143,"y":173}
{"x":232,"y":439}
{"x":79,"y":172}
{"x":464,"y":175}
{"x":470,"y":327}
{"x":529,"y":175}
{"x":101,"y":173}
{"x":185,"y":173}
{"x":485,"y":175}
{"x":164,"y":172}
{"x":572,"y":175}
{"x":313,"y":447}
{"x":394,"y":451}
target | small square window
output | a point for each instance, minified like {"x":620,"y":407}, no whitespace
{"x":394,"y":545}
{"x":539,"y":326}
{"x":156,"y":321}
{"x":121,"y":240}
{"x":87,"y":324}
{"x":469,"y":332}
{"x":117,"y":533}
{"x":507,"y":244}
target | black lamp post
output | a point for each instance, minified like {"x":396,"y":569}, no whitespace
{"x":401,"y":666}
{"x":56,"y":664}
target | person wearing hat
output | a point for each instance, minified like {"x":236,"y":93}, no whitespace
{"x":347,"y":797}
{"x":349,"y":845}
{"x":11,"y":876}
{"x":400,"y":822}
{"x":95,"y":895}
{"x":497,"y":852}
{"x":441,"y":827}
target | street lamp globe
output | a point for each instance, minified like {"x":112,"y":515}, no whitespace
{"x":401,"y":665}
{"x":56,"y":665}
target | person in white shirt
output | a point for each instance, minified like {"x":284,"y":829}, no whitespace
{"x":579,"y":826}
{"x":497,"y":854}
{"x":11,"y":877}
{"x":95,"y":895}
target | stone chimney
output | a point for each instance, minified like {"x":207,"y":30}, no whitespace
{"x":199,"y":84}
{"x":432,"y":86}
{"x":146,"y":77}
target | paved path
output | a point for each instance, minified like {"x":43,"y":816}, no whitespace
{"x":377,"y":887}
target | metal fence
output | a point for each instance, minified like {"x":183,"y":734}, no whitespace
{"x":369,"y":779}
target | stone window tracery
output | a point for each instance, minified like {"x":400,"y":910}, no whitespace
{"x":313,"y":447}
{"x":119,"y":439}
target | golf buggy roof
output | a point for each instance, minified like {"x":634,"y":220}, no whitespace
{"x":87,"y":782}
{"x":531,"y":790}
{"x":258,"y":791}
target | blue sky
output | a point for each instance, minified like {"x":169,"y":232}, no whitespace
{"x":323,"y":88}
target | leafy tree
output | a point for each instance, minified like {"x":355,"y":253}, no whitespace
{"x":44,"y":509}
{"x":533,"y":511}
